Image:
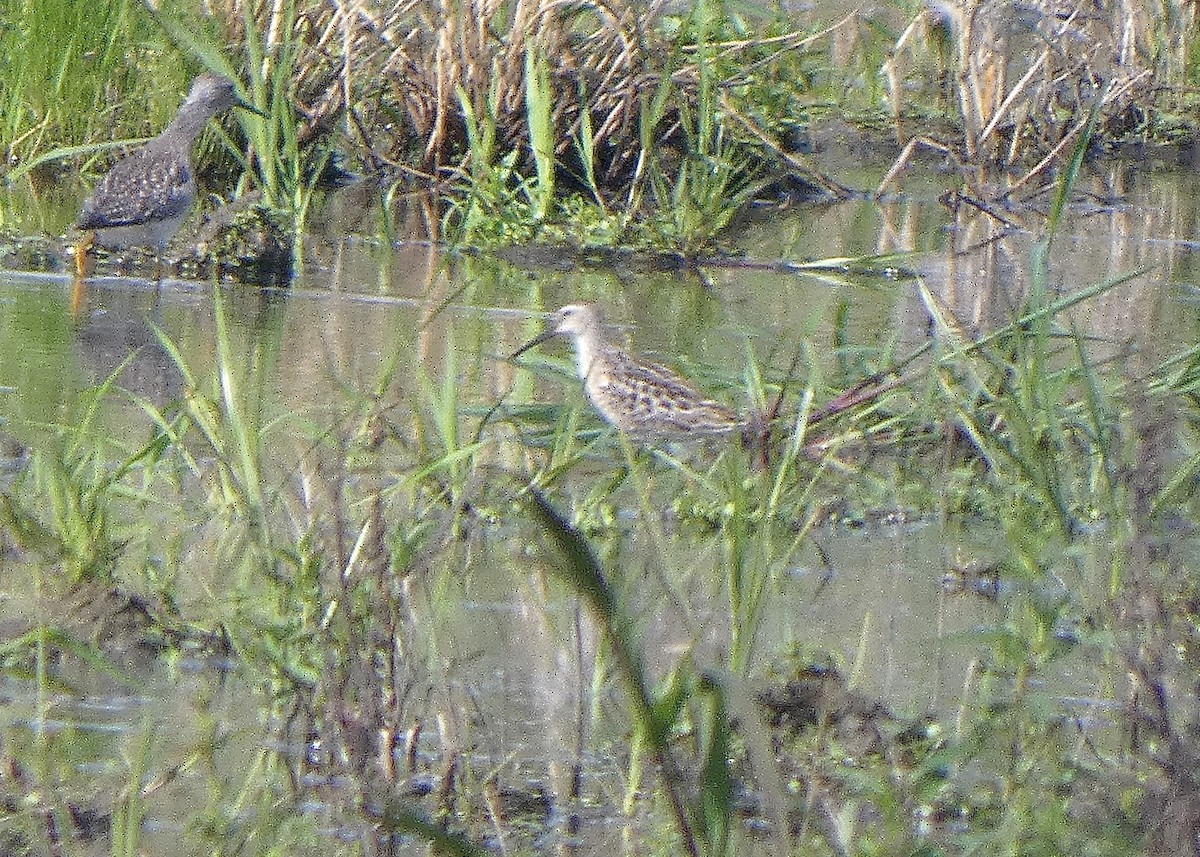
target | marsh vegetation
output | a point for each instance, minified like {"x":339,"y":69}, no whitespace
{"x":323,"y":571}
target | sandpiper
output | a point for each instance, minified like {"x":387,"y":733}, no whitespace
{"x":638,"y":397}
{"x":144,"y":198}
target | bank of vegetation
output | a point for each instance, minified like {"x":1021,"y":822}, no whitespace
{"x":613,"y":124}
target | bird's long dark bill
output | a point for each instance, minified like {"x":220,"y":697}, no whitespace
{"x":247,"y":106}
{"x":537,"y":340}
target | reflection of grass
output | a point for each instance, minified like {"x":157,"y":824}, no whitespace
{"x":129,"y":814}
{"x":70,"y":524}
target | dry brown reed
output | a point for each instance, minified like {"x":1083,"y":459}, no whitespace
{"x":1025,"y":77}
{"x":1018,"y":79}
{"x":605,"y":57}
{"x":395,"y":77}
{"x":401,"y":72}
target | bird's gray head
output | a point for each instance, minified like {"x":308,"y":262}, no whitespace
{"x":214,"y":91}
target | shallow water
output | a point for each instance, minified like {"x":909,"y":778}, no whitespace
{"x":867,"y":587}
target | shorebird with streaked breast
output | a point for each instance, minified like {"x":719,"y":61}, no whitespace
{"x":146,"y":195}
{"x":636,"y":396}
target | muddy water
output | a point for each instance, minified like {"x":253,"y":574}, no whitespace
{"x":872,"y":594}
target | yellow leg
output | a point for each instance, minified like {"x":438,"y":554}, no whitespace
{"x":82,"y":270}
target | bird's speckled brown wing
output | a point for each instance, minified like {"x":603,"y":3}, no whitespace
{"x":146,"y":185}
{"x":646,"y":398}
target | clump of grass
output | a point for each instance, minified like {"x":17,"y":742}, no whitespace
{"x":714,"y":177}
{"x":491,"y":205}
{"x":227,"y":419}
{"x":603,"y":132}
{"x":71,"y":524}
